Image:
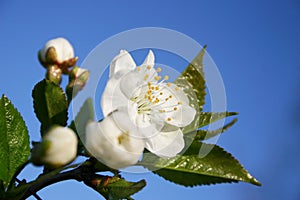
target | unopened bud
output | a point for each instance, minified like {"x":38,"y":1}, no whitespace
{"x":77,"y":80}
{"x":57,"y":52}
{"x":58,"y":148}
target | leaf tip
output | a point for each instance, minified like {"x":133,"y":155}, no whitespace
{"x":232,"y":113}
{"x":254,"y":181}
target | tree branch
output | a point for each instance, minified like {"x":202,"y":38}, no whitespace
{"x":80,"y":173}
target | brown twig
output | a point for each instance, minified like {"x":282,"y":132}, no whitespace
{"x":80,"y":173}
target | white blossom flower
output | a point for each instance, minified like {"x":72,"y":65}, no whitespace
{"x":147,"y":105}
{"x":58,"y":147}
{"x":63,"y":50}
{"x":116,"y":148}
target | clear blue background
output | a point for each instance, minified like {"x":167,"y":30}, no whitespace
{"x":256,"y":45}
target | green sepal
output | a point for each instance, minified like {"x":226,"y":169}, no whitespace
{"x":39,"y":151}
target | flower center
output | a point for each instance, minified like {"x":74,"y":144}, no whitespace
{"x":155,"y":96}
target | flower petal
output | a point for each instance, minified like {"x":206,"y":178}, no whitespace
{"x":141,"y":126}
{"x":175,"y":106}
{"x":183,"y":116}
{"x":135,"y":80}
{"x":166,"y":144}
{"x":177,"y":92}
{"x":130,"y":83}
{"x":121,"y":62}
{"x":112,"y":96}
{"x":106,"y":142}
{"x":149,"y":60}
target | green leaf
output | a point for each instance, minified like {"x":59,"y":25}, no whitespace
{"x":206,"y":134}
{"x":14,"y":141}
{"x":115,"y":188}
{"x":85,"y":114}
{"x":191,"y":170}
{"x":207,"y":118}
{"x":50,"y":104}
{"x":193,"y":83}
{"x":192,"y":80}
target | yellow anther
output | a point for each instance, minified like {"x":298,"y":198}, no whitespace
{"x":179,"y":102}
{"x":158,"y":70}
{"x":177,"y":88}
{"x":167,"y":99}
{"x":168,"y":84}
{"x":149,"y":84}
{"x":157,"y":88}
{"x":157,"y":78}
{"x":152,"y":87}
{"x":170,"y":96}
{"x":146,"y":76}
{"x":148,"y":67}
{"x":161,"y":93}
{"x":161,"y":111}
{"x":149,"y":92}
{"x":175,"y":108}
{"x":138,"y":68}
{"x":166,"y":78}
{"x":169,"y":119}
{"x":156,"y":100}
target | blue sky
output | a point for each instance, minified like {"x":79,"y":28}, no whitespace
{"x":255,"y":45}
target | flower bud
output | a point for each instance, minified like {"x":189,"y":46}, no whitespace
{"x":115,"y":148}
{"x":58,"y":148}
{"x":57,"y":52}
{"x":77,"y":80}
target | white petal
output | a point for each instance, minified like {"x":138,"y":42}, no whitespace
{"x":166,"y":144}
{"x":177,"y":92}
{"x":175,"y":106}
{"x":135,"y":80}
{"x":141,"y":126}
{"x":112,"y":96}
{"x":182,"y":117}
{"x":130,"y":83}
{"x":121,"y":62}
{"x":149,"y":60}
{"x":106,"y":142}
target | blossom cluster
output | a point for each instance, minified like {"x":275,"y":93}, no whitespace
{"x":142,"y":110}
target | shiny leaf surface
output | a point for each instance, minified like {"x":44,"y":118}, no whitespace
{"x":14,"y":141}
{"x":50,"y":104}
{"x":218,"y":166}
